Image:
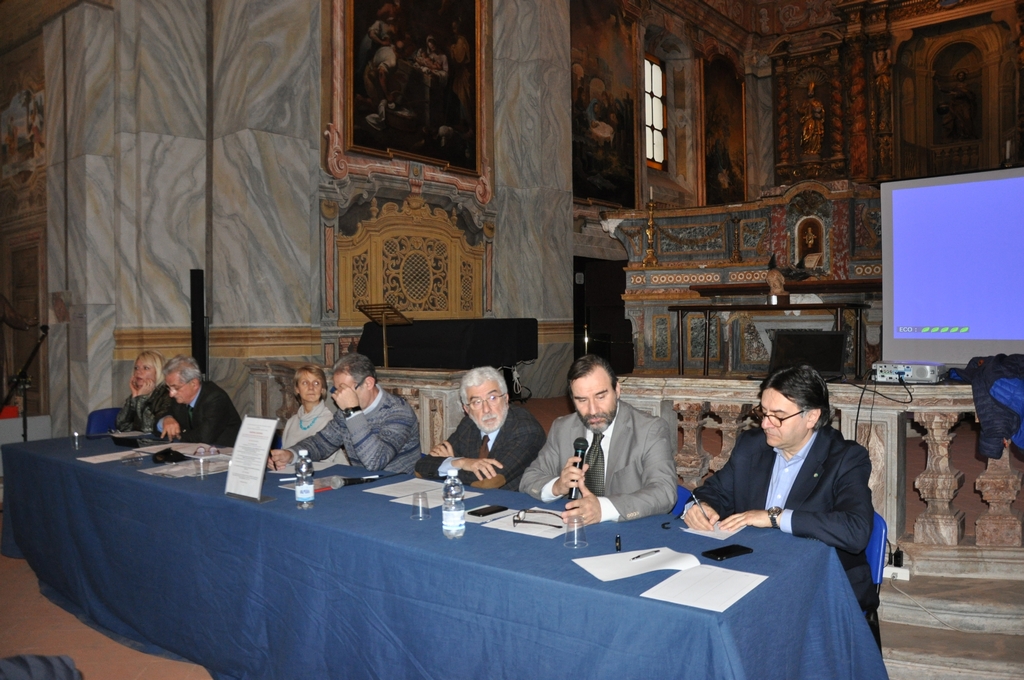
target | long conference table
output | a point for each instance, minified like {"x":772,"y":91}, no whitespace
{"x":356,"y":589}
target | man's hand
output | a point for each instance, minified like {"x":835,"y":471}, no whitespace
{"x":345,"y":397}
{"x":279,"y":458}
{"x":695,"y":519}
{"x":588,"y":507}
{"x":442,"y":450}
{"x":570,"y":477}
{"x":483,"y":468}
{"x":171,"y":430}
{"x":750,"y":518}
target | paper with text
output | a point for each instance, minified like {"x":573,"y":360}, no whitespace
{"x":717,"y":533}
{"x":249,"y":457}
{"x":705,"y":587}
{"x":614,"y":566}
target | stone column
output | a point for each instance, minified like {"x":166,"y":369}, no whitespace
{"x":940,"y":523}
{"x":79,"y":58}
{"x":533,"y":177}
{"x":691,"y":460}
{"x":732,"y":424}
{"x":999,"y":485}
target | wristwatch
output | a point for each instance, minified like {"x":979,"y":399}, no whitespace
{"x":773,"y":515}
{"x":348,"y":412}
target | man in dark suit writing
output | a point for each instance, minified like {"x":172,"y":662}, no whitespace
{"x":798,"y":475}
{"x":202,"y":411}
{"x":495,"y":441}
{"x":629,"y":469}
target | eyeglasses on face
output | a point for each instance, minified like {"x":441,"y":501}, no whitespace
{"x":760,"y":414}
{"x":476,"y":403}
{"x":520,"y":518}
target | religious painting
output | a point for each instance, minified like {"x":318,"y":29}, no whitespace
{"x":22,"y":130}
{"x":412,"y":80}
{"x":603,"y":104}
{"x":21,"y":122}
{"x":724,"y":147}
{"x":957,"y":95}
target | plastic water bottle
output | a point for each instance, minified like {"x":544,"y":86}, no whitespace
{"x":453,"y":515}
{"x":303,"y":481}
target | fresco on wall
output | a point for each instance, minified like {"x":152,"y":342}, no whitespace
{"x":603,"y":111}
{"x":21,"y":127}
{"x":413,"y":80}
{"x":724,"y":154}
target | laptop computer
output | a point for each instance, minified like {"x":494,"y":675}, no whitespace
{"x":825,"y":351}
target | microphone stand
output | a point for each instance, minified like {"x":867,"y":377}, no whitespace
{"x":23,"y":382}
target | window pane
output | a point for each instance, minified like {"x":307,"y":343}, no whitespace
{"x":650,"y":143}
{"x":659,"y":115}
{"x":659,"y":148}
{"x":657,"y":78}
{"x":647,"y":75}
{"x":648,"y":105}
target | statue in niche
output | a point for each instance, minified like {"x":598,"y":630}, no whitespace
{"x":809,"y":244}
{"x":883,"y":86}
{"x":957,"y":112}
{"x":812,"y":122}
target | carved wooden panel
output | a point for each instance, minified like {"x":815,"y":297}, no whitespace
{"x":413,"y":257}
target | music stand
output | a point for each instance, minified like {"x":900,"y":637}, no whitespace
{"x":382,"y":315}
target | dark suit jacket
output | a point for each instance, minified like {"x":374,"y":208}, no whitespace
{"x":518,"y":442}
{"x":830,"y":499}
{"x":214,"y":418}
{"x":640,"y":466}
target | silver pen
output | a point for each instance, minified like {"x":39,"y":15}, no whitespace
{"x":643,"y":555}
{"x":701,"y":508}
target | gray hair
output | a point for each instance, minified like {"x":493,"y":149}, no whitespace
{"x":478,"y":376}
{"x":186,"y":368}
{"x":356,"y":365}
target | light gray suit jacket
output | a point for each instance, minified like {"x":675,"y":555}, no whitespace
{"x":640,"y":468}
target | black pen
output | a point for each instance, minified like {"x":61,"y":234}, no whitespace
{"x":701,"y":508}
{"x":618,"y":543}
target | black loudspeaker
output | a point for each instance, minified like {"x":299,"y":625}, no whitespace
{"x":200,"y":332}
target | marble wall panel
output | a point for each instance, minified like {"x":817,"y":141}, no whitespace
{"x":90,"y":80}
{"x":527,"y":30}
{"x":231,"y":67}
{"x":126,"y":271}
{"x":171,"y":93}
{"x":232,"y":375}
{"x":57,"y":372}
{"x":100,"y":324}
{"x":171,"y":228}
{"x":262,"y":217}
{"x":283,"y":61}
{"x":127,"y":59}
{"x":533,"y":254}
{"x":91,"y":228}
{"x":53,"y":65}
{"x":546,"y":376}
{"x":56,"y":233}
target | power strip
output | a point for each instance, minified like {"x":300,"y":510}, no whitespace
{"x":897,"y":573}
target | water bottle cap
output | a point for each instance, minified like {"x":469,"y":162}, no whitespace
{"x":303,"y":453}
{"x":452,"y":472}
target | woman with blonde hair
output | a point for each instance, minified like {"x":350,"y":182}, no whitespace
{"x":313,"y":414}
{"x":149,"y":400}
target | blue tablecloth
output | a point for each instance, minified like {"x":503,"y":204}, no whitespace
{"x":353,"y":588}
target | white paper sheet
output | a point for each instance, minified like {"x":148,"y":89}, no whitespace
{"x":249,"y":457}
{"x":434,"y":499}
{"x":187,"y":469}
{"x":717,"y":534}
{"x":407,"y":488}
{"x":614,"y":566}
{"x":705,"y":587}
{"x":185,"y":449}
{"x":105,"y":457}
{"x":540,"y":530}
{"x":489,"y":518}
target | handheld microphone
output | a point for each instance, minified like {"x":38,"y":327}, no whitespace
{"x":579,"y":449}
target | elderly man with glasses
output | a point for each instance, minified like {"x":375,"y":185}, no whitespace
{"x":377,"y":429}
{"x":201,"y":412}
{"x":798,"y":475}
{"x":494,"y":443}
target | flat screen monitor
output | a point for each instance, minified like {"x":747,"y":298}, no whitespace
{"x":952,"y":253}
{"x":825,"y":351}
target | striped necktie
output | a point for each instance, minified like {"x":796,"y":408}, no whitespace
{"x":594,"y":479}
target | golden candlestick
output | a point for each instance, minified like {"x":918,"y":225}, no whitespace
{"x":650,"y":259}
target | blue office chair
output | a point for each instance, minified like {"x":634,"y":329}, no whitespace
{"x":682,"y":498}
{"x":876,"y":550}
{"x":101,"y":421}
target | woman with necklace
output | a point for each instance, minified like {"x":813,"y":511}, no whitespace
{"x":313,"y":414}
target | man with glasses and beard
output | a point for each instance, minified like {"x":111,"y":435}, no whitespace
{"x":798,"y":475}
{"x":628,"y":467}
{"x":495,"y":441}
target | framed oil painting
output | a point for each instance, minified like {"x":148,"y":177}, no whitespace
{"x":412,"y":79}
{"x":603,"y":104}
{"x":724,"y":148}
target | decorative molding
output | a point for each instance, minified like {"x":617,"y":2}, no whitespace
{"x":554,"y":332}
{"x":225,"y":343}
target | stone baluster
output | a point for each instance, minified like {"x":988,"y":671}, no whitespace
{"x":691,"y":460}
{"x":732,"y":424}
{"x":940,"y":523}
{"x":999,"y":485}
